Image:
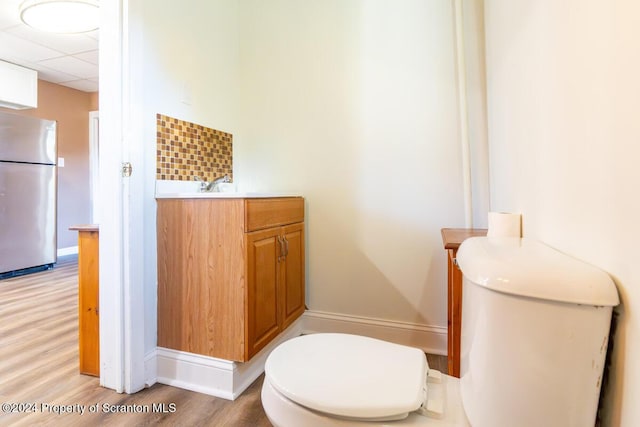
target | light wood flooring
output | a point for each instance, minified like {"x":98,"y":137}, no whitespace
{"x":39,"y":367}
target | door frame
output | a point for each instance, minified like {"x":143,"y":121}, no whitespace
{"x":94,"y":165}
{"x":121,"y":208}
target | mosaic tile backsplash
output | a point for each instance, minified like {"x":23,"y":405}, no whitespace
{"x":186,"y":150}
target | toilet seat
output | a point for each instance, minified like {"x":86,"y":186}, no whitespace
{"x":349,"y":376}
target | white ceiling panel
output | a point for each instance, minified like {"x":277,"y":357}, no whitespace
{"x":9,"y":13}
{"x":7,"y":21}
{"x":64,"y":43}
{"x":84,"y":85}
{"x":91,"y":56}
{"x":72,"y":65}
{"x":93,"y":34}
{"x":53,"y":76}
{"x":11,"y":45}
{"x":49,"y":54}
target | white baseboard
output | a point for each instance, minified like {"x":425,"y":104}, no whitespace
{"x":431,"y":339}
{"x":195,"y":372}
{"x":216,"y":377}
{"x":71,"y":250}
{"x":227,"y":379}
{"x":151,"y":368}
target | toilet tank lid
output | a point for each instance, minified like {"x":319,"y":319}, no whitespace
{"x":349,"y":375}
{"x":529,"y":268}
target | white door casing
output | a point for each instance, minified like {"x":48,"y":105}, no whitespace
{"x":121,"y":210}
{"x":94,"y":165}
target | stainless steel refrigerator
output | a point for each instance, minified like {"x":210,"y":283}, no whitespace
{"x":28,"y":179}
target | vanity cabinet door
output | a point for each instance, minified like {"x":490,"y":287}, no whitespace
{"x":292,"y":283}
{"x":263,"y":269}
{"x":275,"y":283}
{"x":226,"y":287}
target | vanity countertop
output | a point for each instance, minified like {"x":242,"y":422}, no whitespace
{"x":85,"y":227}
{"x":191,"y":195}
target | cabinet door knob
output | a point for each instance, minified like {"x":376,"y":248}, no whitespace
{"x":286,"y":246}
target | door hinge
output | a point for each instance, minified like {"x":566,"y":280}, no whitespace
{"x":126,"y":169}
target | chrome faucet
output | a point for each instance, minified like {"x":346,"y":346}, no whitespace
{"x":207,"y":187}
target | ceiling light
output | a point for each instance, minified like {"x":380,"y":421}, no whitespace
{"x":61,"y":16}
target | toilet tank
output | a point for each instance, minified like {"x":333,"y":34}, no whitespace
{"x":535,"y":328}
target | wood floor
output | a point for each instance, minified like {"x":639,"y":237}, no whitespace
{"x":39,"y":368}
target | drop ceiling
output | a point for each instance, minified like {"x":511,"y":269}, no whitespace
{"x":66,"y":59}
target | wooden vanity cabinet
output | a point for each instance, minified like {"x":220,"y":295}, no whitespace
{"x":452,"y":238}
{"x":230,"y":273}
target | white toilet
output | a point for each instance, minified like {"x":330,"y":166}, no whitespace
{"x":535,"y":326}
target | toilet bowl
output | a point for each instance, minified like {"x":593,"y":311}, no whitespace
{"x":535,"y":325}
{"x":356,"y":381}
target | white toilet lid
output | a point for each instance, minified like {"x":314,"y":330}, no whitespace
{"x":349,"y":375}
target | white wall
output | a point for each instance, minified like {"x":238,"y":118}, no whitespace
{"x":476,"y":101}
{"x":185,"y":62}
{"x":564,"y":97}
{"x":353,"y":105}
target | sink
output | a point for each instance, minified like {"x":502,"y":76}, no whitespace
{"x":190,"y":190}
{"x":198,"y":195}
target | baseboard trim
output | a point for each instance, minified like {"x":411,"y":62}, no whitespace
{"x":227,"y":379}
{"x":151,"y":368}
{"x":215,"y":377}
{"x":71,"y":250}
{"x":195,"y":372}
{"x":431,"y":339}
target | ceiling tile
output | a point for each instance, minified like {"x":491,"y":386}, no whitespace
{"x":53,"y":76}
{"x":84,"y":85}
{"x":65,"y":43}
{"x":13,"y":46}
{"x":8,"y":23}
{"x":91,"y":56}
{"x":9,"y":15}
{"x":80,"y":68}
{"x":18,"y":61}
{"x":49,"y":54}
{"x":95,"y":34}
